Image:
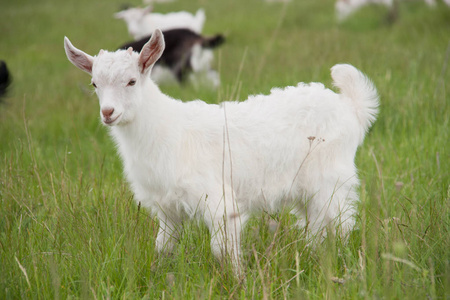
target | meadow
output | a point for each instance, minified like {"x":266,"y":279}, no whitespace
{"x":69,"y":227}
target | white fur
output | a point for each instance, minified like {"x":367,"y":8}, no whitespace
{"x":157,"y":1}
{"x":142,"y":23}
{"x":293,"y":148}
{"x":344,"y":8}
{"x":202,"y":74}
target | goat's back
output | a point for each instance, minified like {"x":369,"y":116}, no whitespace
{"x":266,"y":144}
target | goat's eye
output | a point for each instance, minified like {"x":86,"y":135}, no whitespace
{"x":131,"y":82}
{"x":94,"y":85}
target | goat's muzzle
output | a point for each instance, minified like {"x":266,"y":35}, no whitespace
{"x":107,"y":116}
{"x":107,"y":112}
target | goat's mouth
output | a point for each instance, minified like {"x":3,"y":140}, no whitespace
{"x":111,"y":121}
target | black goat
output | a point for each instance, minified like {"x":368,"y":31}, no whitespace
{"x":5,"y":79}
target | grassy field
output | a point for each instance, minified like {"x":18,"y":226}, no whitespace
{"x":69,"y":227}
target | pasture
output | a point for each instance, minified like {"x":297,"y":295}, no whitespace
{"x":69,"y":227}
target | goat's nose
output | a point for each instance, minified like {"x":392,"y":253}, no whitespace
{"x":107,"y":112}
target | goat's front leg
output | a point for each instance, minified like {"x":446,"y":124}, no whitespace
{"x":169,"y":231}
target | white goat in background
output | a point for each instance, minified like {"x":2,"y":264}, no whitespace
{"x":142,"y":22}
{"x":294,"y":147}
{"x":344,"y":8}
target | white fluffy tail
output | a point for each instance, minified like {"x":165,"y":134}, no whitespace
{"x":353,"y":84}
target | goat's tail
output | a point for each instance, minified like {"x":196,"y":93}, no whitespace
{"x":213,"y":41}
{"x":353,"y":84}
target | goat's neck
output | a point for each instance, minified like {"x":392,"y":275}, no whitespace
{"x":151,"y":124}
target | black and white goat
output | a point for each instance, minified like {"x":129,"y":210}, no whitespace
{"x":186,"y":52}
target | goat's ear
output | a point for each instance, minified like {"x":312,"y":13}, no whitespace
{"x":80,"y":59}
{"x":151,"y":51}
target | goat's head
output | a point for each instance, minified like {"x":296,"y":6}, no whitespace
{"x":133,"y":14}
{"x":118,"y":77}
{"x":134,"y":17}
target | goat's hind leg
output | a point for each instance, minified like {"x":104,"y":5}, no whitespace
{"x":169,"y":231}
{"x":333,"y":207}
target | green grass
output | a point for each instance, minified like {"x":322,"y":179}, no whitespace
{"x":69,"y":227}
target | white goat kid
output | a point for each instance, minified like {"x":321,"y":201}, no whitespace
{"x":344,"y":8}
{"x":141,"y":22}
{"x":294,"y":147}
